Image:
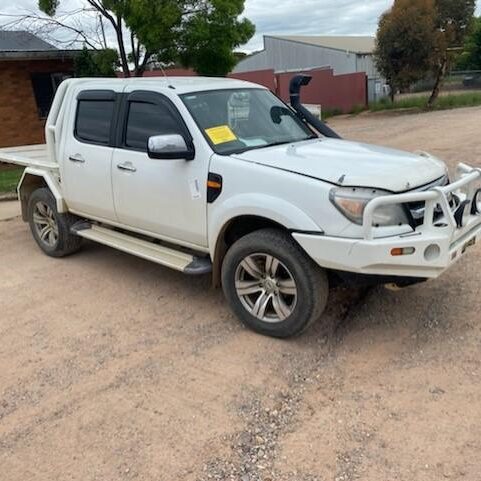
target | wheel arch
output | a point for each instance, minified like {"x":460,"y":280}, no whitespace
{"x":33,"y":179}
{"x":239,"y":218}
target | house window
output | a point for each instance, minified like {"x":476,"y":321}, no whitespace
{"x":44,"y":88}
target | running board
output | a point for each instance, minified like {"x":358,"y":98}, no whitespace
{"x":165,"y":256}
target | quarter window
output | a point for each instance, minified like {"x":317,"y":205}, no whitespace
{"x":146,"y":120}
{"x":94,"y":119}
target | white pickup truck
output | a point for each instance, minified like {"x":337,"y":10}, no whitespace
{"x":216,"y":175}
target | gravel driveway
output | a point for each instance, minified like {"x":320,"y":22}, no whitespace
{"x":113,"y":368}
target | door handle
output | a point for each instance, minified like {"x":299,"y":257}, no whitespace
{"x":77,"y":158}
{"x":128,"y":167}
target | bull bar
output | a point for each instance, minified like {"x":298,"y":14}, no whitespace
{"x":464,"y":185}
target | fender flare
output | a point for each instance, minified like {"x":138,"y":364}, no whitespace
{"x":260,"y":205}
{"x":31,"y":180}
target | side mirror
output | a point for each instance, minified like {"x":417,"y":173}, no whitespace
{"x":172,"y":146}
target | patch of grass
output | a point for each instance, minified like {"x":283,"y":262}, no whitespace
{"x":453,"y":101}
{"x":328,"y":113}
{"x":9,"y":179}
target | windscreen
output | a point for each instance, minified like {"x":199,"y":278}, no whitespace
{"x":235,"y":121}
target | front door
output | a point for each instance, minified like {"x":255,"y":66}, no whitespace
{"x":162,"y":197}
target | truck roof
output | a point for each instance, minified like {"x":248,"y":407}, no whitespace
{"x":181,"y":85}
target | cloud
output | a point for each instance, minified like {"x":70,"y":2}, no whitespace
{"x":300,"y":17}
{"x":314,"y":17}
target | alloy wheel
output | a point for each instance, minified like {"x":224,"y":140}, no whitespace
{"x":45,"y":224}
{"x":266,"y":287}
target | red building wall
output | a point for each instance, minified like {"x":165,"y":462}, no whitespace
{"x":20,"y":123}
{"x":266,"y":78}
{"x":343,"y":92}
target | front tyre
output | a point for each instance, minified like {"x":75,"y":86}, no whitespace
{"x":272,"y":285}
{"x":50,"y":229}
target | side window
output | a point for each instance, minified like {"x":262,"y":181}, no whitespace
{"x":94,"y":119}
{"x":145,"y":120}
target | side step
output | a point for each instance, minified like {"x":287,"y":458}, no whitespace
{"x":178,"y":260}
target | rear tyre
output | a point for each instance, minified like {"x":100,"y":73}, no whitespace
{"x":50,"y":229}
{"x":272,"y":285}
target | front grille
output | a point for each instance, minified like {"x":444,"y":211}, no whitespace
{"x":417,"y":209}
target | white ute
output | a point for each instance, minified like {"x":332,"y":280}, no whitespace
{"x":216,"y":175}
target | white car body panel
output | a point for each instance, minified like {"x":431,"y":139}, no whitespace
{"x":331,"y":160}
{"x":174,"y":190}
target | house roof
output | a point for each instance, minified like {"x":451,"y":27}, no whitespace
{"x":20,"y":41}
{"x":18,"y":44}
{"x":347,"y":43}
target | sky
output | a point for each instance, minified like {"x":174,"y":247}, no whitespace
{"x":300,"y":17}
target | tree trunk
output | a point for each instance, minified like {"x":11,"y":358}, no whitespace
{"x":140,"y":69}
{"x":441,"y":73}
{"x":120,"y":40}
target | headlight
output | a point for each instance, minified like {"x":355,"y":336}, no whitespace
{"x":351,"y":202}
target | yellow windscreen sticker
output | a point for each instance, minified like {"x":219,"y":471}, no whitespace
{"x":221,"y":134}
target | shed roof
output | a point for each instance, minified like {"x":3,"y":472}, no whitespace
{"x":348,"y":43}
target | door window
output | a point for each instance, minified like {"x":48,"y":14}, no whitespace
{"x":94,"y":120}
{"x":146,"y":120}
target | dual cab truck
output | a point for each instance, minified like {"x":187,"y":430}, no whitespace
{"x":220,"y":176}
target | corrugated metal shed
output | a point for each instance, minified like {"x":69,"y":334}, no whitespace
{"x":348,"y":43}
{"x":344,"y":54}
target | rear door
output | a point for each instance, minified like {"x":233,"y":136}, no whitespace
{"x":86,"y":169}
{"x":163,"y":197}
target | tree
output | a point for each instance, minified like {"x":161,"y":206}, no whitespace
{"x":198,"y":30}
{"x":209,"y":38}
{"x":419,"y":37}
{"x":470,"y":58}
{"x":453,"y":20}
{"x":96,"y":63}
{"x":202,"y":33}
{"x":406,"y":38}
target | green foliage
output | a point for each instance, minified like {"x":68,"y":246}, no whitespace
{"x":96,"y":63}
{"x":405,"y":42}
{"x":453,"y":21}
{"x":48,"y":6}
{"x":416,"y":38}
{"x":415,"y":103}
{"x":209,"y":38}
{"x":199,"y":33}
{"x":418,"y":102}
{"x":470,"y":59}
{"x":9,"y":179}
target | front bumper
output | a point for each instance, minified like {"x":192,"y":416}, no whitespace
{"x":433,"y":246}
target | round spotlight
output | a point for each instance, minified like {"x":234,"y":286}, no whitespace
{"x":432,"y":252}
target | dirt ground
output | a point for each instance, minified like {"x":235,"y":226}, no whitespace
{"x":113,"y":368}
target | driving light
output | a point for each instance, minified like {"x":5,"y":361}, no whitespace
{"x":403,"y":251}
{"x":352,"y":201}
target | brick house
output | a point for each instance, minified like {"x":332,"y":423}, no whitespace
{"x":30,"y":71}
